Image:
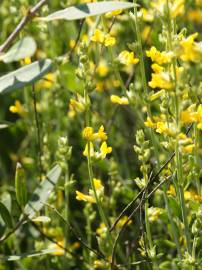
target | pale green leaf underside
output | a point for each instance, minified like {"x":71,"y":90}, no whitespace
{"x":24,"y":76}
{"x":87,"y":10}
{"x":25,"y":47}
{"x":42,"y":192}
{"x":5,"y":124}
{"x":28,"y":255}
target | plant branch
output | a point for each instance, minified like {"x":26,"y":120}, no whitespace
{"x":30,"y":14}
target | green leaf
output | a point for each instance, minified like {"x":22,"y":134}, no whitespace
{"x":87,"y":10}
{"x":5,"y":215}
{"x":25,"y":47}
{"x":24,"y":76}
{"x":5,"y":124}
{"x":20,"y":185}
{"x":42,"y":192}
{"x":28,"y":255}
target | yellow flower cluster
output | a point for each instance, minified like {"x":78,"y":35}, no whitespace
{"x":101,"y":37}
{"x":190,"y":115}
{"x":190,"y":50}
{"x":127,"y":58}
{"x":162,"y":78}
{"x":77,"y":105}
{"x":104,"y":150}
{"x":17,"y":108}
{"x":90,"y":198}
{"x":113,"y":13}
{"x":185,"y":143}
{"x":188,"y":195}
{"x":102,"y":68}
{"x":154,"y":213}
{"x":89,"y":135}
{"x":176,"y":7}
{"x":161,"y":126}
{"x":159,"y":57}
{"x":119,"y":100}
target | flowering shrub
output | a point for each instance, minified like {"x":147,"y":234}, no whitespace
{"x":101,"y":146}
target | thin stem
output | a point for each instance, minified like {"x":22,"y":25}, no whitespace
{"x":38,"y":132}
{"x":79,"y":239}
{"x":67,"y":202}
{"x":179,"y":166}
{"x":30,"y":14}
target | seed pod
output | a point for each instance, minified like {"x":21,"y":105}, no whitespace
{"x":20,"y":185}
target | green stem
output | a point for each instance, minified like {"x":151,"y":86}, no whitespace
{"x":175,"y":237}
{"x":67,"y":203}
{"x":90,"y":172}
{"x":180,"y":182}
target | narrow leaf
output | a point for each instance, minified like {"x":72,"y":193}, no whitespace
{"x":42,"y":192}
{"x":27,"y":255}
{"x":25,"y":47}
{"x":87,"y":10}
{"x":42,"y":219}
{"x":5,"y":124}
{"x":24,"y":76}
{"x":20,"y":185}
{"x":5,"y":215}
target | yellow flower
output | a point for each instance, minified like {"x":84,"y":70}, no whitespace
{"x":98,"y":36}
{"x":176,"y":7}
{"x":102,"y":69}
{"x":98,"y":264}
{"x":159,"y":57}
{"x":189,"y":115}
{"x":127,"y":58}
{"x":90,"y":198}
{"x":57,"y":247}
{"x":119,"y":100}
{"x":194,"y":15}
{"x":156,"y":68}
{"x":75,"y":246}
{"x":188,"y":195}
{"x":188,"y":148}
{"x":146,"y":15}
{"x":162,"y":128}
{"x":100,"y":134}
{"x":72,"y":43}
{"x":88,"y":133}
{"x":199,"y":2}
{"x":77,"y":105}
{"x":101,"y":230}
{"x":100,"y":86}
{"x":26,"y":61}
{"x":104,"y":150}
{"x":48,"y":81}
{"x":156,"y":95}
{"x":113,"y":13}
{"x":154,"y":213}
{"x":122,"y":221}
{"x":171,"y":191}
{"x":191,"y":50}
{"x":150,"y":123}
{"x":109,"y":40}
{"x":17,"y":108}
{"x":92,"y":152}
{"x":86,"y":198}
{"x":97,"y":183}
{"x":161,"y":80}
